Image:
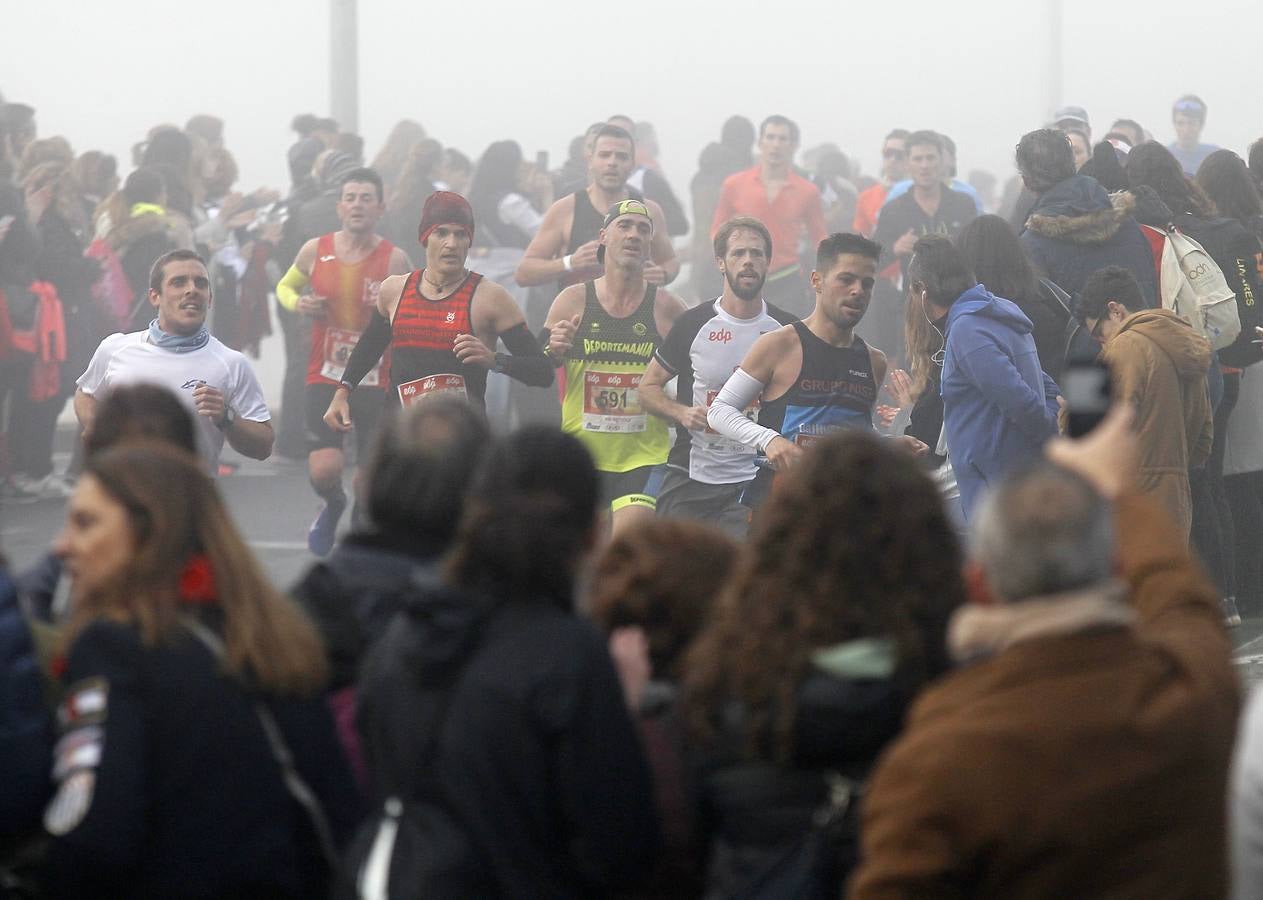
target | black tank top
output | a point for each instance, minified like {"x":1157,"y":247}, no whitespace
{"x":585,"y":227}
{"x":422,"y":361}
{"x":835,"y":389}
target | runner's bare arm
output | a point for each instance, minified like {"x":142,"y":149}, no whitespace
{"x":496,"y":315}
{"x":388,"y":296}
{"x":542,"y":261}
{"x":667,"y":308}
{"x":563,"y":320}
{"x":85,"y":410}
{"x":654,"y":399}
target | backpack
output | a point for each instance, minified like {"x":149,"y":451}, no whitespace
{"x":415,"y":845}
{"x":1191,"y":284}
{"x":1241,"y":261}
{"x":112,"y":291}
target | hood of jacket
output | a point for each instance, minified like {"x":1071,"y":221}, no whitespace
{"x":978,"y":301}
{"x":1188,"y":350}
{"x":1079,"y":210}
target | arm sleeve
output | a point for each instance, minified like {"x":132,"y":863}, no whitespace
{"x":725,"y":414}
{"x":290,"y":286}
{"x":514,"y":209}
{"x":368,"y":350}
{"x":527,"y":364}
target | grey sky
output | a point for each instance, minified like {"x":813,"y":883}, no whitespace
{"x":472,"y":73}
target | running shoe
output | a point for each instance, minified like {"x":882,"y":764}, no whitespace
{"x":321,"y":535}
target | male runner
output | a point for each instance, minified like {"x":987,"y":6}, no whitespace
{"x":605,"y":332}
{"x":344,"y":271}
{"x":565,"y":247}
{"x":707,"y":472}
{"x":814,"y":377}
{"x":441,"y":324}
{"x":179,"y":353}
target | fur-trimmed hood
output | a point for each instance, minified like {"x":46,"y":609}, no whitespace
{"x":134,"y":228}
{"x":1079,"y":211}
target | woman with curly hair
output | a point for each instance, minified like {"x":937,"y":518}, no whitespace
{"x":832,"y":623}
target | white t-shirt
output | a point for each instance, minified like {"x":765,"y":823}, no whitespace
{"x":131,"y":359}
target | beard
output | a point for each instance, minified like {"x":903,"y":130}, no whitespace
{"x":751,"y":293}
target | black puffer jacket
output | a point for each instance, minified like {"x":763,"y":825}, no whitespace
{"x":753,"y":810}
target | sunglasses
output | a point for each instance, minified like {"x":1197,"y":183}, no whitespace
{"x":893,"y":153}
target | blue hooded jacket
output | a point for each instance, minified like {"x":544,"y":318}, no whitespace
{"x":998,"y":405}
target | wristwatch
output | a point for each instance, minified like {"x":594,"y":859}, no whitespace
{"x":230,"y":416}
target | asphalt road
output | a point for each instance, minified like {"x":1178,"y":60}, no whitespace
{"x":273,"y":506}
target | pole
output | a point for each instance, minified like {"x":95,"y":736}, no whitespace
{"x":1054,"y":62}
{"x":344,"y":65}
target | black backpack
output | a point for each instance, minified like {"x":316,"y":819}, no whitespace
{"x":415,"y":844}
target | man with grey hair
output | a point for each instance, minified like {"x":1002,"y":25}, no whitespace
{"x":1082,"y":747}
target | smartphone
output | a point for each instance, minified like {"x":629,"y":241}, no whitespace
{"x":541,"y":161}
{"x":1086,"y":388}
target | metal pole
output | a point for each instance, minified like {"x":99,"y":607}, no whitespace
{"x":1054,"y":63}
{"x":344,"y":65}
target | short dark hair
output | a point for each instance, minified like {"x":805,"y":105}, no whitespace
{"x":1045,"y":158}
{"x":781,"y":120}
{"x":364,"y":175}
{"x":897,"y":134}
{"x":1191,"y":104}
{"x":941,"y":268}
{"x":1133,"y":125}
{"x":140,"y":412}
{"x":1110,"y":283}
{"x":1254,"y":160}
{"x":421,"y":466}
{"x":144,"y":185}
{"x":925,"y":138}
{"x":840,"y":243}
{"x":180,"y":255}
{"x":614,"y":131}
{"x":750,"y":223}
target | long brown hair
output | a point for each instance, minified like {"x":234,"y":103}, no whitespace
{"x":923,"y":341}
{"x":175,"y":514}
{"x":854,"y":543}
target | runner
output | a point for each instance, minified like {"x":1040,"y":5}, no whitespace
{"x":344,"y":271}
{"x":177,"y":352}
{"x":813,"y":377}
{"x":706,"y":472}
{"x":565,"y":247}
{"x":441,"y":324}
{"x":605,"y":332}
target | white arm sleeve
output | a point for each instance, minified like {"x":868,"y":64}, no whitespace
{"x":725,"y":414}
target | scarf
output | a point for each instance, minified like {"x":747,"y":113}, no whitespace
{"x":980,"y":631}
{"x":178,"y":343}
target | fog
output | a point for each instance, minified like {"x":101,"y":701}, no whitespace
{"x":471,"y":73}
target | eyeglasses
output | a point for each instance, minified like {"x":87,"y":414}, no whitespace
{"x":894,"y":153}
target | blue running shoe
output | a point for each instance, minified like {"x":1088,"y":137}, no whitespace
{"x":321,"y":535}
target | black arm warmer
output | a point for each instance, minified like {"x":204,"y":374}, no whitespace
{"x":368,"y":350}
{"x":528,"y":364}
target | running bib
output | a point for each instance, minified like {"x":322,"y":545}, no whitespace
{"x":339,"y":342}
{"x":413,"y":392}
{"x":611,"y":402}
{"x":811,"y":434}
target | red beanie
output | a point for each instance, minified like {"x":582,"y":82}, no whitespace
{"x":445,"y":208}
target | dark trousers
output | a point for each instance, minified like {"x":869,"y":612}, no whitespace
{"x":1213,"y":534}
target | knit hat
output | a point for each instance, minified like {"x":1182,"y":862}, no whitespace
{"x":1105,"y":167}
{"x":444,"y":208}
{"x":630,"y":207}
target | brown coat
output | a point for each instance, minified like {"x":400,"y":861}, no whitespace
{"x":1091,"y":764}
{"x":1158,"y":364}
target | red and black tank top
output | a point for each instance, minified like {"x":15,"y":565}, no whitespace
{"x":423,"y":362}
{"x":350,"y":291}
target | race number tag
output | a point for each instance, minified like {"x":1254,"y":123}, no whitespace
{"x":422,"y":389}
{"x":814,"y":433}
{"x":611,"y":402}
{"x":339,"y":342}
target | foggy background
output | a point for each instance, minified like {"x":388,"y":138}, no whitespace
{"x":102,"y":74}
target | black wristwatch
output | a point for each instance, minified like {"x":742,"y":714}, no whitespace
{"x":230,"y":416}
